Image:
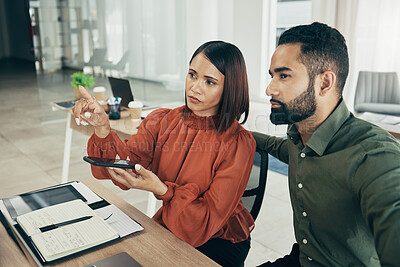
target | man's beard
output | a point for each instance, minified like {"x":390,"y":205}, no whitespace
{"x":296,"y":110}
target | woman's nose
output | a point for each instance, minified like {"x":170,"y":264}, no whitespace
{"x":196,"y":86}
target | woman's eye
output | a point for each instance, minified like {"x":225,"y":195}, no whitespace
{"x":210,"y":82}
{"x":191,"y":75}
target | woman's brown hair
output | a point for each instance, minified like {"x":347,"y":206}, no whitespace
{"x":228,"y":59}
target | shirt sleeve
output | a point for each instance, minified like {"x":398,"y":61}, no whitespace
{"x":208,"y":212}
{"x":139,"y":148}
{"x":276,"y":146}
{"x":377,"y":183}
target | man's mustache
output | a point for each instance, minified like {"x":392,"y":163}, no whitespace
{"x":277,"y":101}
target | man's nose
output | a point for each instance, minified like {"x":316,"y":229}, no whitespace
{"x":271,"y":89}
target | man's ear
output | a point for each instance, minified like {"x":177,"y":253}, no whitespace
{"x":327,"y":82}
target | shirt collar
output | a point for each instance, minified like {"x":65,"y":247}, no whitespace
{"x":324,"y":133}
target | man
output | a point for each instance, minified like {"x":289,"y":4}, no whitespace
{"x":344,"y":173}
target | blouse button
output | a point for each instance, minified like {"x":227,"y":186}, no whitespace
{"x":305,"y":241}
{"x":309,"y":258}
{"x":300,"y":185}
{"x":303,"y":155}
{"x":304,"y":214}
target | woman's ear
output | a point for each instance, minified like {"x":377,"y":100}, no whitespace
{"x":328,"y":82}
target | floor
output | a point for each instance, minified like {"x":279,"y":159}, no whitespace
{"x":32,"y":145}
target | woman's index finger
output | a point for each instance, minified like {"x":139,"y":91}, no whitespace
{"x":85,"y":93}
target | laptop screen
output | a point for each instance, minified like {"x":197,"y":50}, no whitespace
{"x":122,"y":88}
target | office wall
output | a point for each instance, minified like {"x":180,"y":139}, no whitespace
{"x":238,"y":22}
{"x":15,"y":30}
{"x":248,"y":36}
{"x":154,"y":33}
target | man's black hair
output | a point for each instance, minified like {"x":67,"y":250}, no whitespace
{"x":322,"y":48}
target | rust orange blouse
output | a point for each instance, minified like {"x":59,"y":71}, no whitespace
{"x":206,"y":172}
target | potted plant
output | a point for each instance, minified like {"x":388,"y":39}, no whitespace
{"x":80,"y":78}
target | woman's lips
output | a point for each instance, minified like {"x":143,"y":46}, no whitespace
{"x":193,"y":100}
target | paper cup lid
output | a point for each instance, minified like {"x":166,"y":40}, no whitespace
{"x":135,"y":104}
{"x":99,"y":89}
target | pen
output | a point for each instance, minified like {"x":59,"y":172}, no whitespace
{"x":54,"y":226}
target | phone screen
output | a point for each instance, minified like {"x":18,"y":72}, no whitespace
{"x":106,"y":162}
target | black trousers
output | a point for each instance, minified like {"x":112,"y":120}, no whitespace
{"x":291,"y":260}
{"x":224,"y":252}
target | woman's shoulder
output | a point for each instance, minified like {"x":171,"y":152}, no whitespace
{"x":237,"y":133}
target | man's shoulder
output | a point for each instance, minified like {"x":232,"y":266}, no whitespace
{"x":368,"y":135}
{"x":264,"y":140}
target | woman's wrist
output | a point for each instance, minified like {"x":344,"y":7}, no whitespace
{"x":161,"y":190}
{"x":102,"y":131}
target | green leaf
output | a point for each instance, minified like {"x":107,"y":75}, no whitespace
{"x":79,"y":78}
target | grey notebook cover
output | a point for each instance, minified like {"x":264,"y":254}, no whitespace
{"x":120,"y":259}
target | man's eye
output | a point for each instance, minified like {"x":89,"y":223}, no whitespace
{"x":283,"y":76}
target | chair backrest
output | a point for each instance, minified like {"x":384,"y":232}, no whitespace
{"x":122,"y":62}
{"x":98,"y":56}
{"x":254,"y":194}
{"x":376,"y":88}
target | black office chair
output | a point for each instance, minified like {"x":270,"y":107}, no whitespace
{"x":254,"y":194}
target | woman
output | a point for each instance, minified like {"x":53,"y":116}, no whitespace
{"x":199,"y":155}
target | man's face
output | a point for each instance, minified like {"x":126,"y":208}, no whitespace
{"x":292,"y":92}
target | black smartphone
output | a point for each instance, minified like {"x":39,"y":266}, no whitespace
{"x":105,"y":162}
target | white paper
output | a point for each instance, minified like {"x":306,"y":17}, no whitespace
{"x":119,"y":221}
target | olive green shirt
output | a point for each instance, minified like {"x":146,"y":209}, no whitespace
{"x":345,"y":191}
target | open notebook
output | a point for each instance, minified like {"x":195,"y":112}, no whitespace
{"x":57,"y":231}
{"x":24,"y":215}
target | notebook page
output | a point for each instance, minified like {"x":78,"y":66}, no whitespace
{"x":72,"y":238}
{"x":32,"y":221}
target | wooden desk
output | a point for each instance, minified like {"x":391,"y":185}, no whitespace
{"x":154,"y":246}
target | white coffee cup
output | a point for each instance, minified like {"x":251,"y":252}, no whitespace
{"x":100,"y":93}
{"x":135,"y":109}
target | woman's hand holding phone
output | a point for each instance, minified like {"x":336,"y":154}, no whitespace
{"x":88,"y":111}
{"x":122,"y":171}
{"x":140,"y":179}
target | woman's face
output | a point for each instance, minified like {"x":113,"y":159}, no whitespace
{"x":204,"y":87}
